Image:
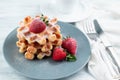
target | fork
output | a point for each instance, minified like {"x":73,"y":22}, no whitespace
{"x":89,"y":28}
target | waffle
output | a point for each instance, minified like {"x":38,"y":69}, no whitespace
{"x":41,"y":44}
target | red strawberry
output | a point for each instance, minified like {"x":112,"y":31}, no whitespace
{"x":70,"y":44}
{"x":37,"y":26}
{"x":58,"y":54}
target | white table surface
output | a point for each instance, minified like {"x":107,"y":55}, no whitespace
{"x":12,"y":11}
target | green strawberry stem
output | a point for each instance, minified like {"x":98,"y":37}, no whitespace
{"x":66,"y":37}
{"x":70,"y":57}
{"x":44,"y":20}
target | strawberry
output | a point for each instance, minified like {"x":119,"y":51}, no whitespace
{"x":70,"y":45}
{"x":58,"y":54}
{"x":37,"y":26}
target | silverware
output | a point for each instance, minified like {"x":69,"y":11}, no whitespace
{"x":88,"y":27}
{"x":107,"y":43}
{"x":94,"y":33}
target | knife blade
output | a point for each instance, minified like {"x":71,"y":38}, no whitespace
{"x":107,"y":43}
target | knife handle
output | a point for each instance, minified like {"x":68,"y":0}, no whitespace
{"x":114,"y":55}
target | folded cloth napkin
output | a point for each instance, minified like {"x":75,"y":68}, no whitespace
{"x":101,"y":65}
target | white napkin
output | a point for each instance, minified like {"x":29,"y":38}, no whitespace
{"x":101,"y":65}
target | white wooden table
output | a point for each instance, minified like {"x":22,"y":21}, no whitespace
{"x":11,"y":12}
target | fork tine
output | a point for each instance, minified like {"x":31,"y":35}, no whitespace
{"x":88,"y":26}
{"x":93,"y":27}
{"x":89,"y":29}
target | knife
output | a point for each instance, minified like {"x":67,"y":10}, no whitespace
{"x":107,"y":43}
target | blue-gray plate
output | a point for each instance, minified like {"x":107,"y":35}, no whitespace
{"x":47,"y":68}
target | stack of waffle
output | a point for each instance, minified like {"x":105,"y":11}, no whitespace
{"x":38,"y":44}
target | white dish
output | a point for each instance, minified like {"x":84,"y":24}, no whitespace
{"x":79,"y":13}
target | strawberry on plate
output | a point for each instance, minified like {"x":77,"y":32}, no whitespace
{"x":58,"y":54}
{"x":70,"y":45}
